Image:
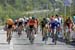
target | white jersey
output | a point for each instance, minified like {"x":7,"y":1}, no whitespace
{"x":59,"y":20}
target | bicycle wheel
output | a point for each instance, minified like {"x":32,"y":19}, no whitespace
{"x":68,"y":38}
{"x":54,"y":36}
{"x":19,"y":31}
{"x":31,"y":37}
{"x":45,"y":37}
{"x":9,"y":38}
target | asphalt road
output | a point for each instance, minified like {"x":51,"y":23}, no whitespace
{"x":22,"y":43}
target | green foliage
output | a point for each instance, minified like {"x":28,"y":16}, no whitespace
{"x":17,"y":8}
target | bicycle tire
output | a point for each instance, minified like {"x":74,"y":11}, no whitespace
{"x":31,"y":37}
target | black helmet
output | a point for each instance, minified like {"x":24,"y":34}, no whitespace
{"x":44,"y":18}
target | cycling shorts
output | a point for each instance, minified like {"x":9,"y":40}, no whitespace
{"x":9,"y":26}
{"x":20,"y":24}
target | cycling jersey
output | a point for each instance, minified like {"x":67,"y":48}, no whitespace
{"x":25,"y":21}
{"x":10,"y":22}
{"x":59,"y":20}
{"x":43,"y":23}
{"x":68,"y":23}
{"x":31,"y":22}
{"x":54,"y":24}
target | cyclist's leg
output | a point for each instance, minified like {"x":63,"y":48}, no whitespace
{"x":19,"y":32}
{"x":33,"y":31}
{"x":30,"y":30}
{"x":43,"y":36}
{"x":8,"y":31}
{"x":69,"y":35}
{"x":49,"y":32}
{"x":42,"y":31}
{"x":9,"y":37}
{"x":52,"y":33}
{"x":31,"y":35}
{"x":9,"y":34}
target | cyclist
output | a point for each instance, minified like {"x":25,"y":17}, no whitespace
{"x":43,"y":22}
{"x":31,"y":26}
{"x":59,"y":19}
{"x":54,"y":24}
{"x":9,"y":24}
{"x":48,"y":20}
{"x":31,"y":22}
{"x":68,"y":24}
{"x":45,"y":34}
{"x":20,"y":26}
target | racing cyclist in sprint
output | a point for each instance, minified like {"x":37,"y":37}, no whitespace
{"x":45,"y":32}
{"x":43,"y":23}
{"x":31,"y":27}
{"x":54,"y":25}
{"x":9,"y":26}
{"x":20,"y":26}
{"x":69,"y":25}
{"x":59,"y":32}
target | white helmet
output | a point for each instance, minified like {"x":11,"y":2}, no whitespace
{"x":21,"y":19}
{"x":48,"y":19}
{"x":30,"y":17}
{"x":27,"y":18}
{"x":56,"y":19}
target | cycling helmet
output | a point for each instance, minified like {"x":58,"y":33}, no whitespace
{"x":33,"y":17}
{"x":48,"y":19}
{"x":56,"y":19}
{"x":30,"y":17}
{"x":21,"y":19}
{"x":27,"y":18}
{"x":44,"y":18}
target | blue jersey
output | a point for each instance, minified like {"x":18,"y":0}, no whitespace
{"x":54,"y":24}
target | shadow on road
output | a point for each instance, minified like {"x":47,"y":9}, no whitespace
{"x":70,"y":43}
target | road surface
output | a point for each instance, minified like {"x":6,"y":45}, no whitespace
{"x":23,"y":43}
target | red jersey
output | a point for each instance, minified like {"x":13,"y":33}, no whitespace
{"x":31,"y":22}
